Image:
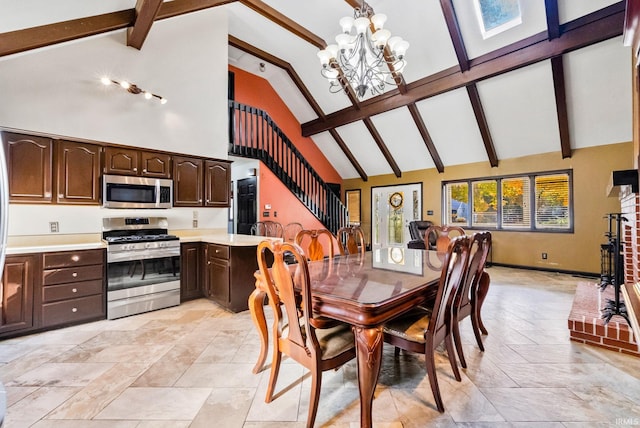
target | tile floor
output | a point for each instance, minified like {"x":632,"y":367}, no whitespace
{"x":190,"y":366}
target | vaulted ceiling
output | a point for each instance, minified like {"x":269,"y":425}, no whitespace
{"x":560,"y":81}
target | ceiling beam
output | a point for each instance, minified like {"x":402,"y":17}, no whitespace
{"x":422,"y":128}
{"x":455,"y":34}
{"x":594,"y":28}
{"x":285,"y":22}
{"x":383,"y":148}
{"x":265,"y":56}
{"x":553,"y":19}
{"x":146,"y":11}
{"x":13,"y":42}
{"x":557,"y":70}
{"x":478,"y":111}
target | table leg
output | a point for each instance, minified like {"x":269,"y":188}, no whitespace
{"x":369,"y":343}
{"x":256,"y":307}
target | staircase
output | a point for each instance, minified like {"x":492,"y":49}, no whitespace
{"x":253,"y":134}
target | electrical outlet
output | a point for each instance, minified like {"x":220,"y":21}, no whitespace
{"x":195,"y":223}
{"x":195,"y":214}
{"x":54,"y":227}
{"x":544,"y":256}
{"x":275,"y":213}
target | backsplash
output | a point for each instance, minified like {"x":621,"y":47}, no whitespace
{"x":35,"y":219}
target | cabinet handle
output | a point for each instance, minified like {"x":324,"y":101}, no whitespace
{"x":60,"y":195}
{"x":74,"y":310}
{"x":135,"y":169}
{"x":74,"y":290}
{"x":217,"y":251}
{"x":209,"y":262}
{"x":144,"y":170}
{"x":75,"y":258}
{"x":75,"y":274}
{"x":199,"y":200}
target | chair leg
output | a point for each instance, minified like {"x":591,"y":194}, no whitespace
{"x":316,"y":381}
{"x":273,"y":377}
{"x":483,"y":289}
{"x":448,"y":341}
{"x":455,"y":329}
{"x":431,"y":372}
{"x":476,"y":328}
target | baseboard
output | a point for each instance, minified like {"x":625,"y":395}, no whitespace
{"x":568,"y":272}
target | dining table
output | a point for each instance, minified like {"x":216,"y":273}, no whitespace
{"x":364,"y":291}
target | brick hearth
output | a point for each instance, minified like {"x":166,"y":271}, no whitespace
{"x":586,"y":326}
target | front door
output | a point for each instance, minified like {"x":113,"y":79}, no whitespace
{"x":392,"y":208}
{"x":246,"y":197}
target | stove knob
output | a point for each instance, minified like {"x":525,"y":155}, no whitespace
{"x":147,"y":245}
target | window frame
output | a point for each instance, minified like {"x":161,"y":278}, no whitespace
{"x":532,"y":207}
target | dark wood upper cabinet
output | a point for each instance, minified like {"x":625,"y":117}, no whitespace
{"x":124,"y":161}
{"x":187,"y":182}
{"x":217,"y":179}
{"x":29,"y":167}
{"x":78,"y":175}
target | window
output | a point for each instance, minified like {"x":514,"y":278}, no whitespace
{"x":353,"y":205}
{"x":496,"y":16}
{"x":540,"y":201}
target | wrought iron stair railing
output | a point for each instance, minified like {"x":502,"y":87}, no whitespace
{"x":253,"y":134}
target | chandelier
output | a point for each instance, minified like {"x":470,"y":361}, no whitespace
{"x":365,"y":57}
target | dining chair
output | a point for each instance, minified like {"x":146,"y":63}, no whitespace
{"x":423,"y":329}
{"x":351,"y":240}
{"x":294,"y":334}
{"x":467,"y":296}
{"x":443,"y":235}
{"x":267,"y":228}
{"x":315,"y":242}
{"x":291,"y":230}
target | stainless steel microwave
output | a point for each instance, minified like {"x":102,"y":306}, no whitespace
{"x":120,"y":191}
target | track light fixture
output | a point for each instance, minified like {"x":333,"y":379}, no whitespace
{"x":133,"y":89}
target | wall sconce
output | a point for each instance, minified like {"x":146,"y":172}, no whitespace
{"x":133,"y":89}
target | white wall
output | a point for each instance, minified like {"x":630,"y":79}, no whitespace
{"x":57,"y":90}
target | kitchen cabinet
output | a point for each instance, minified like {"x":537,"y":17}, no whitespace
{"x":18,"y":281}
{"x":190,"y":271}
{"x":129,"y":161}
{"x":229,"y":275}
{"x":29,"y":167}
{"x":217,"y":182}
{"x":78,"y":173}
{"x":73,"y":288}
{"x":187,"y":181}
{"x":201,"y":183}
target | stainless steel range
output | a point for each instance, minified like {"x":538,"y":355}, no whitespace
{"x":143,"y":265}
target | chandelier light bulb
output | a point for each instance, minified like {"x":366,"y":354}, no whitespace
{"x":324,"y":56}
{"x":105,"y":81}
{"x":147,"y":95}
{"x":343,"y":40}
{"x":380,"y":38}
{"x":401,"y":48}
{"x":378,"y":20}
{"x":163,"y":100}
{"x":333,"y":51}
{"x":125,"y":84}
{"x":346,"y":23}
{"x":132,"y":88}
{"x":361,"y":24}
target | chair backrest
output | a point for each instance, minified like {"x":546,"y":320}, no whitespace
{"x":351,"y":240}
{"x":291,"y":230}
{"x":417,"y":228}
{"x":453,"y":270}
{"x":268,"y":228}
{"x":479,"y":251}
{"x":293,"y":293}
{"x":443,"y":235}
{"x":314,"y":242}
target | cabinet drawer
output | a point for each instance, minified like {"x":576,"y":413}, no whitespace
{"x":72,"y":258}
{"x":66,"y":311}
{"x":71,"y":291}
{"x":71,"y":274}
{"x":219,"y":251}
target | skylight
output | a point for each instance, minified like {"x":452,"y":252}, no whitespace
{"x":496,"y":16}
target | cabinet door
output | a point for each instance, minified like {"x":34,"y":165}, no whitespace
{"x":17,"y":293}
{"x":121,"y":161}
{"x":155,"y":165}
{"x":29,"y":167}
{"x":217,"y":278}
{"x":218,"y":181}
{"x":190,"y":259}
{"x":187,"y":182}
{"x":78,"y":167}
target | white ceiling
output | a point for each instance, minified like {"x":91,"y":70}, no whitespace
{"x":519,"y":106}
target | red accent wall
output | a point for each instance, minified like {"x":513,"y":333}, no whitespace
{"x":257,"y":92}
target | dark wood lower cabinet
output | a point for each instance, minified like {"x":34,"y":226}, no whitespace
{"x":47,"y":290}
{"x":18,"y":280}
{"x":190,"y":271}
{"x":229,"y":275}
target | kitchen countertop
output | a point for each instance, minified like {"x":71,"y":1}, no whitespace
{"x":49,"y":243}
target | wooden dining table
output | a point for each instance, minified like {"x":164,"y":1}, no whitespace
{"x":365,"y":292}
